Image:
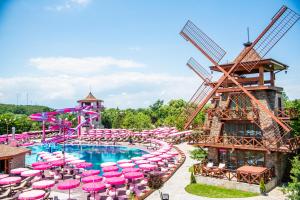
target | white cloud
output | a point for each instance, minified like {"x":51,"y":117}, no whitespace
{"x":123,"y":89}
{"x":69,"y":4}
{"x":84,"y":65}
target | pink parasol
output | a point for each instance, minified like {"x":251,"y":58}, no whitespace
{"x":74,"y":162}
{"x":142,"y":162}
{"x":137,"y":158}
{"x":84,"y":165}
{"x":112,"y":174}
{"x":4,"y":176}
{"x":148,"y":156}
{"x":110,"y":168}
{"x":89,"y":179}
{"x":44,"y":184}
{"x":147,"y":166}
{"x":30,"y":173}
{"x":58,"y":163}
{"x":173,"y":153}
{"x":90,"y":173}
{"x":155,"y":159}
{"x":93,"y":187}
{"x":126,"y":170}
{"x":116,"y":180}
{"x":38,"y":163}
{"x":10,"y":180}
{"x":166,"y":156}
{"x":127,"y":165}
{"x":32,"y":195}
{"x":42,"y":167}
{"x":124,"y":161}
{"x":18,"y":170}
{"x":134,"y":175}
{"x":106,"y":164}
{"x":68,"y":185}
{"x":156,"y":153}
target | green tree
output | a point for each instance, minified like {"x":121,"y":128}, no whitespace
{"x":293,"y":188}
{"x":198,"y":154}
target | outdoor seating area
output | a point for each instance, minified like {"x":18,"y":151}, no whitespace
{"x":246,"y":174}
{"x":60,"y":172}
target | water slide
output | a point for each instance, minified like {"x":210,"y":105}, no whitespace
{"x":64,"y":125}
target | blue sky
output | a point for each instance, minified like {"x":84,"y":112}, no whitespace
{"x":129,"y":52}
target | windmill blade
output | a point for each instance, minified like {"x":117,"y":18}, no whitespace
{"x":199,"y":70}
{"x":202,"y":42}
{"x":280,"y":24}
{"x":285,"y":18}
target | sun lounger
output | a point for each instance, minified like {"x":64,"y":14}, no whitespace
{"x":5,"y":193}
{"x":20,"y":187}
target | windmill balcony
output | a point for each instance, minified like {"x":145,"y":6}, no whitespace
{"x":233,"y":114}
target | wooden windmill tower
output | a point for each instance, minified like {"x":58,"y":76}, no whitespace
{"x":246,"y":124}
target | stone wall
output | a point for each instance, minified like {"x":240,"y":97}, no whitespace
{"x":277,"y":160}
{"x":213,"y":154}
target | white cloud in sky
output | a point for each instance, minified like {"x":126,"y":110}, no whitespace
{"x":63,"y":90}
{"x":68,"y":4}
{"x":84,"y":65}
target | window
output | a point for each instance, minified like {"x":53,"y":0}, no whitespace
{"x":238,"y":158}
{"x":238,"y":101}
{"x":242,"y":129}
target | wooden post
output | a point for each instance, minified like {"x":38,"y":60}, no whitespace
{"x":272,"y":77}
{"x":261,"y":76}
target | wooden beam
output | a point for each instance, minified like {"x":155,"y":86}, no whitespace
{"x":261,"y":76}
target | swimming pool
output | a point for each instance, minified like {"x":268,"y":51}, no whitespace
{"x":89,"y":153}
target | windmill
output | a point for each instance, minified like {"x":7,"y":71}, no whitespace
{"x":280,"y":24}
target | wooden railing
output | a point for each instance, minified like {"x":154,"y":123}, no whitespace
{"x":228,"y":141}
{"x":233,"y":175}
{"x":231,"y":114}
{"x":286,"y":113}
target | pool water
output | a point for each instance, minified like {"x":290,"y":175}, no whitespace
{"x":89,"y":153}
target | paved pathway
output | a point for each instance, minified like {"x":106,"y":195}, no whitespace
{"x":176,"y":184}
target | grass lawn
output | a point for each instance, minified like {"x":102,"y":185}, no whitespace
{"x":216,"y":192}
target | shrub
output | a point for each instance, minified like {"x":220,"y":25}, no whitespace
{"x":155,"y":181}
{"x":198,"y":154}
{"x":293,"y":188}
{"x":193,"y":179}
{"x":262,"y":186}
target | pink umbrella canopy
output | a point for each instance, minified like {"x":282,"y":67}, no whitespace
{"x":127,"y":165}
{"x":126,"y":170}
{"x":139,"y":162}
{"x":4,"y":176}
{"x":110,"y":168}
{"x":124,"y":161}
{"x":84,"y":165}
{"x":90,"y":173}
{"x":58,"y":163}
{"x":18,"y":170}
{"x":166,"y":156}
{"x":74,"y":162}
{"x":44,"y":184}
{"x":93,"y":187}
{"x":112,"y":174}
{"x":137,"y":158}
{"x":106,"y":164}
{"x":89,"y":179}
{"x":148,"y":156}
{"x":10,"y":180}
{"x":155,"y":159}
{"x":147,"y":166}
{"x":30,"y":173}
{"x":156,"y":153}
{"x":39,"y":163}
{"x":174,"y":153}
{"x":68,"y":184}
{"x":42,"y":167}
{"x":116,"y":180}
{"x":134,"y":175}
{"x":32,"y":195}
